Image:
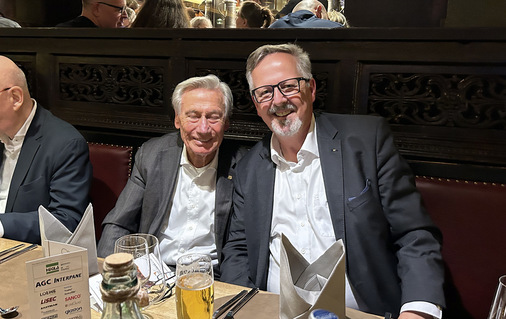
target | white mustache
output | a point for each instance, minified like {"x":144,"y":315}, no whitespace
{"x":286,"y":107}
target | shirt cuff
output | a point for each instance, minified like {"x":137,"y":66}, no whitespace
{"x":1,"y":229}
{"x":423,"y":306}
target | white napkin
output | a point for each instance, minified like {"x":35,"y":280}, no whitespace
{"x":305,"y":287}
{"x":84,"y":235}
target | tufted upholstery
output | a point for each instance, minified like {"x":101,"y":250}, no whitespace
{"x":472,"y":217}
{"x":112,"y":165}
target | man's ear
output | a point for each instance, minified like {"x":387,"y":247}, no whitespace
{"x":318,"y":12}
{"x":17,"y":97}
{"x":177,"y":122}
{"x":94,"y":8}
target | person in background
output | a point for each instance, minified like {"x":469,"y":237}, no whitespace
{"x":191,"y":13}
{"x":201,"y":23}
{"x":338,"y":17}
{"x":288,"y":8}
{"x":253,"y":15}
{"x":43,"y":161}
{"x":7,"y":23}
{"x":306,"y":14}
{"x":102,"y":14}
{"x":131,"y":15}
{"x":181,"y":185}
{"x":162,"y":14}
{"x":323,"y":177}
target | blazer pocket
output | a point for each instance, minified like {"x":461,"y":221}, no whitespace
{"x":364,"y":196}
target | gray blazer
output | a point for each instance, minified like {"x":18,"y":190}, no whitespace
{"x":392,"y":246}
{"x":144,"y":202}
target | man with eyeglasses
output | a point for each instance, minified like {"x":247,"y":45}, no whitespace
{"x":322,"y":177}
{"x":102,"y":14}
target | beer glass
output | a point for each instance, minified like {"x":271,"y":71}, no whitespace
{"x":194,"y":287}
{"x":498,"y":309}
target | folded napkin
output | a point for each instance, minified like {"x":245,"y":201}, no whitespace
{"x":305,"y":287}
{"x":84,"y":235}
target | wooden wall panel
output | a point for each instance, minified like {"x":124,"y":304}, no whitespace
{"x":442,"y":90}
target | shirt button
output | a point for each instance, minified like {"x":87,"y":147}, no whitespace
{"x":190,"y":228}
{"x":302,"y":224}
{"x":181,"y":250}
{"x":303,"y":251}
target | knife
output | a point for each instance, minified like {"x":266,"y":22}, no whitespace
{"x":241,"y":303}
{"x":19,"y":252}
{"x":228,"y":304}
{"x":6,"y":251}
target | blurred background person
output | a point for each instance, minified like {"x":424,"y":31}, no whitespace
{"x":8,"y":23}
{"x":162,"y":14}
{"x":102,"y":14}
{"x":338,"y":17}
{"x":133,"y":4}
{"x":307,"y":14}
{"x":253,"y":15}
{"x":131,"y":15}
{"x":191,"y":13}
{"x":200,"y":23}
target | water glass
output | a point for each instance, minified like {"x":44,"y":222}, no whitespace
{"x":498,"y":309}
{"x":194,"y":287}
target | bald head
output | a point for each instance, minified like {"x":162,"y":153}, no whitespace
{"x":314,"y":6}
{"x":11,"y":73}
{"x":15,"y":101}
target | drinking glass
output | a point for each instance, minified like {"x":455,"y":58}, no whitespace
{"x":498,"y":309}
{"x":194,"y":287}
{"x":137,"y":246}
{"x":155,"y":286}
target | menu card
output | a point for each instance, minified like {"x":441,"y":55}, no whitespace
{"x":58,"y":283}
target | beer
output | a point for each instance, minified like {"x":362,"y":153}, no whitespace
{"x":194,"y":296}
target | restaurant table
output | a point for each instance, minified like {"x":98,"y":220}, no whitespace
{"x":13,"y":281}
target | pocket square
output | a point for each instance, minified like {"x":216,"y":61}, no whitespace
{"x":307,"y":286}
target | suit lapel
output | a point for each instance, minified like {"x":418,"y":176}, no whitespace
{"x":223,"y":196}
{"x":263,"y":218}
{"x":168,"y":169}
{"x":329,"y":146}
{"x":31,"y":145}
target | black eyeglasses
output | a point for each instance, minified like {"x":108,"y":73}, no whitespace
{"x":6,"y":89}
{"x":287,"y":87}
{"x":120,"y":9}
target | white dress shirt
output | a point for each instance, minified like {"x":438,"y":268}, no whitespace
{"x":190,"y":225}
{"x":301,"y":213}
{"x":10,"y":155}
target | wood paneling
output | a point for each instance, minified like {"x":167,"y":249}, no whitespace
{"x":442,"y":90}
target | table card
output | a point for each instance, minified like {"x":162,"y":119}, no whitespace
{"x":58,"y":283}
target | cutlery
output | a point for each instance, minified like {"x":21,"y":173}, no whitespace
{"x":9,"y":312}
{"x":6,"y":251}
{"x":17,"y":253}
{"x":228,"y":304}
{"x":241,"y":303}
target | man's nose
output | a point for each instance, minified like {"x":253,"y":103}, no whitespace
{"x":203,"y":125}
{"x":277,"y":96}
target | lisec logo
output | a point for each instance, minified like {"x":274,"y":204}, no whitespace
{"x":52,"y":268}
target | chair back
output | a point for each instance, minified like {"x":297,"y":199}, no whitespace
{"x":112,"y":165}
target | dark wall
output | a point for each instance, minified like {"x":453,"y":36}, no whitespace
{"x":396,"y":13}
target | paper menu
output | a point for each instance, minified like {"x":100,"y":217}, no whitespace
{"x":58,"y":283}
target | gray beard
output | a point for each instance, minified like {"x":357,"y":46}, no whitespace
{"x":286,"y":127}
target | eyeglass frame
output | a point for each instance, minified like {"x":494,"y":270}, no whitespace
{"x":123,"y":9}
{"x":6,"y":89}
{"x":277,"y":86}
